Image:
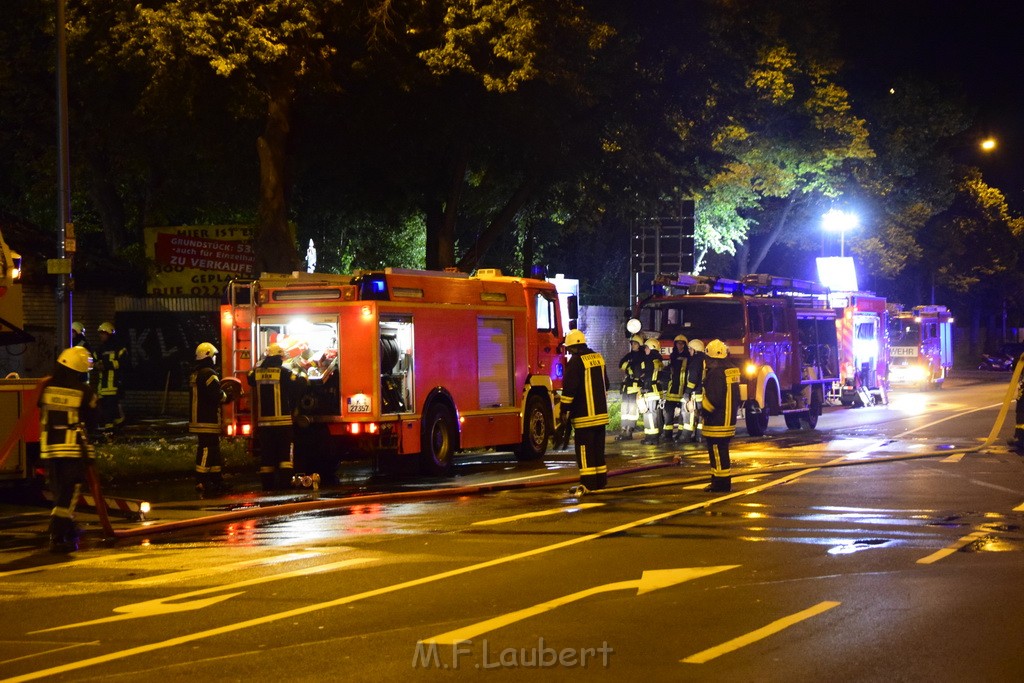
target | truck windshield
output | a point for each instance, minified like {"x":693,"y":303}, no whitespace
{"x":904,"y":333}
{"x":697,"y":318}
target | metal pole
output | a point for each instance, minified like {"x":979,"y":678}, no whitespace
{"x":64,"y":296}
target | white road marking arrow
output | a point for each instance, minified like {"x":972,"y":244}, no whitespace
{"x":169,"y":605}
{"x":649,"y":581}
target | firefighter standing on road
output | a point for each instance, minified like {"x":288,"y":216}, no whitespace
{"x":67,"y":409}
{"x":678,"y":362}
{"x":584,"y":401}
{"x":109,"y":367}
{"x":630,"y":365}
{"x":206,"y":399}
{"x":650,"y":394}
{"x":275,"y":396}
{"x":720,"y":403}
{"x":693,"y":393}
{"x":1018,"y":431}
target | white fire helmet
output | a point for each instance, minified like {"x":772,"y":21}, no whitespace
{"x":696,"y":345}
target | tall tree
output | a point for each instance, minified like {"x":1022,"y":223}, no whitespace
{"x":267,"y":49}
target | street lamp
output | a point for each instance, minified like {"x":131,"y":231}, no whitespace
{"x":835,"y":220}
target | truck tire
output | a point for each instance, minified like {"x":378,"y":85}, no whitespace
{"x":756,"y":418}
{"x":814,"y":410}
{"x":438,"y":440}
{"x":536,"y":429}
{"x":792,"y":420}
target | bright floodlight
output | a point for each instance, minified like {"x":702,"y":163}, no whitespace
{"x":835,"y":220}
{"x":988,"y":144}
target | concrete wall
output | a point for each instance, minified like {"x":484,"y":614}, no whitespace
{"x":605,"y":327}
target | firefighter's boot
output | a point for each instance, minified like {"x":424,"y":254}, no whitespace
{"x":720,"y":484}
{"x":63,"y":535}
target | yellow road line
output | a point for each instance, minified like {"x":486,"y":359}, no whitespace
{"x":75,"y":563}
{"x":759,"y":634}
{"x":1019,"y":508}
{"x":385,"y":590}
{"x":950,"y":549}
{"x":541,"y":513}
{"x":957,"y":457}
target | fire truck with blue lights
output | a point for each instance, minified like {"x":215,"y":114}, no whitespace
{"x":780,"y":331}
{"x":920,"y":346}
{"x":863,"y":350}
{"x":403,"y":365}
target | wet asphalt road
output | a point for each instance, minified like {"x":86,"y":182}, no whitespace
{"x":872,"y":549}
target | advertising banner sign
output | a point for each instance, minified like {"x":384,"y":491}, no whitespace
{"x":197,"y":260}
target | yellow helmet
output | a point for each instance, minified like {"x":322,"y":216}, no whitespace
{"x":653,"y":344}
{"x":682,"y":338}
{"x":575,"y":337}
{"x":107,"y":327}
{"x":637,"y":339}
{"x":79,"y":328}
{"x":696,"y":345}
{"x":205,"y":350}
{"x":275,"y":350}
{"x":717,"y":349}
{"x":77,"y":358}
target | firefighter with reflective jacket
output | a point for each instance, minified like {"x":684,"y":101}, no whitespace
{"x":276,"y":393}
{"x":1018,"y":430}
{"x":109,"y":369}
{"x":67,"y":410}
{"x":720,"y":403}
{"x":630,"y":365}
{"x":693,"y":393}
{"x":584,"y":401}
{"x":678,"y":361}
{"x":206,"y":398}
{"x":650,"y":393}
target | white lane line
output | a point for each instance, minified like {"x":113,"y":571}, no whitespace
{"x":759,"y":634}
{"x":217,"y":569}
{"x":540,"y":513}
{"x":76,"y":563}
{"x":952,"y":548}
{"x":385,"y":590}
{"x":183,"y":602}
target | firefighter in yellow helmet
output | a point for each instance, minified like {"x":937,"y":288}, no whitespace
{"x":693,"y":392}
{"x":585,"y":402}
{"x":110,"y":366}
{"x":67,"y":411}
{"x":276,"y":394}
{"x":206,"y":398}
{"x":630,"y":364}
{"x":650,"y":392}
{"x":678,"y":362}
{"x":720,"y":404}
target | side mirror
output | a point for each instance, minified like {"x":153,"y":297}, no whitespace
{"x":574,"y":311}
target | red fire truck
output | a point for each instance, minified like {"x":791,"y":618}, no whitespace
{"x":19,"y":416}
{"x":863,"y":351}
{"x":920,"y":346}
{"x":403,"y":365}
{"x":780,"y":331}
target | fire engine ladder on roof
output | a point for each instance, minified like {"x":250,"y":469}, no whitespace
{"x":241,"y":296}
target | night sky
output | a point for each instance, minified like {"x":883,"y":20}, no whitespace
{"x":969,"y":48}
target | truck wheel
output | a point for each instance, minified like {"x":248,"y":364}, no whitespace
{"x":814,"y":410}
{"x":756,"y":418}
{"x":536,"y":429}
{"x":792,"y":420}
{"x":437,"y":442}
